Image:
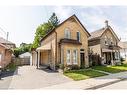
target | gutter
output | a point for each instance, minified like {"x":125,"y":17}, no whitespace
{"x":55,"y":50}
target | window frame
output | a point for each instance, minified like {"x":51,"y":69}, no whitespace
{"x":106,"y":42}
{"x":75,"y":57}
{"x":67,"y":33}
{"x":78,"y":36}
{"x":68,"y":63}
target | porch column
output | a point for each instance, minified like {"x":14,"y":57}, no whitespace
{"x":112,"y":62}
{"x":38,"y":59}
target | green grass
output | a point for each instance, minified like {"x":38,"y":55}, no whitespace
{"x":112,"y":69}
{"x":82,"y":74}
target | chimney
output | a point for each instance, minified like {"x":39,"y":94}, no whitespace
{"x":106,"y":23}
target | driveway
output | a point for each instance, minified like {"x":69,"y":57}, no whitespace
{"x":28,"y":77}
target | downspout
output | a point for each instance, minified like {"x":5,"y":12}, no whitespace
{"x":55,"y":51}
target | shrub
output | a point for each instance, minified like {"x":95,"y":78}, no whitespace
{"x":72,"y":67}
{"x":122,"y":59}
{"x":57,"y":66}
{"x":61,"y":66}
{"x":10,"y":67}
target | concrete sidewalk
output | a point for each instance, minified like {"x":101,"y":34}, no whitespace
{"x":91,"y":83}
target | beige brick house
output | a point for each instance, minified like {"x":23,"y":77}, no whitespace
{"x":66,"y":44}
{"x":105,"y":43}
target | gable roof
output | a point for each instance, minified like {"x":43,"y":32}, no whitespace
{"x":123,"y":45}
{"x":73,"y":16}
{"x":98,"y":33}
{"x":6,"y":47}
{"x":2,"y":40}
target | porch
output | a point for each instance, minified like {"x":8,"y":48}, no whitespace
{"x":110,"y":57}
{"x":44,"y":57}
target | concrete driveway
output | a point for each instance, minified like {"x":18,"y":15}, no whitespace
{"x":28,"y":77}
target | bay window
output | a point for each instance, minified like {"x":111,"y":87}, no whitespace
{"x":75,"y":57}
{"x":68,"y":56}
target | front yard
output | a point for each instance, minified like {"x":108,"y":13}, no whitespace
{"x":91,"y":73}
{"x":82,"y":74}
{"x":111,"y":69}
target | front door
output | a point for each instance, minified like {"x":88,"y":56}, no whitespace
{"x":82,"y":60}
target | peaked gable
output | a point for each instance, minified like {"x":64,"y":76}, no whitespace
{"x":98,"y":33}
{"x":112,"y":31}
{"x":71,"y":17}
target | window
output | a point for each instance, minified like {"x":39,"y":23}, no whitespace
{"x":111,"y":40}
{"x":68,"y":57}
{"x":75,"y":57}
{"x":106,"y":40}
{"x":62,"y":56}
{"x":78,"y":36}
{"x":67,"y":33}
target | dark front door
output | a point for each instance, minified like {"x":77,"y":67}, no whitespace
{"x":82,"y":60}
{"x":108,"y":57}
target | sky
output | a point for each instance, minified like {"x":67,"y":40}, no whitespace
{"x":21,"y":21}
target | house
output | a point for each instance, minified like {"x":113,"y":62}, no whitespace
{"x":5,"y":52}
{"x":123,"y":50}
{"x":7,"y":43}
{"x":5,"y":55}
{"x":27,"y":58}
{"x":104,"y":42}
{"x":66,"y":44}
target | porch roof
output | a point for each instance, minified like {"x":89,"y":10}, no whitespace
{"x":44,"y":47}
{"x":107,"y":50}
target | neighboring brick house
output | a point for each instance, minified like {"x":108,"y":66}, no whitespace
{"x":105,"y":43}
{"x":66,"y":44}
{"x":5,"y":52}
{"x":7,"y":43}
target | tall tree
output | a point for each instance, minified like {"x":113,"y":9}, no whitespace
{"x":54,"y":20}
{"x":45,"y":28}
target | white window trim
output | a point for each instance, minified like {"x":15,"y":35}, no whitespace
{"x":79,"y":36}
{"x":62,"y":56}
{"x":76,"y":57}
{"x":68,"y":63}
{"x":67,"y":33}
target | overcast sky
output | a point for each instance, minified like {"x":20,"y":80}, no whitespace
{"x":21,"y":21}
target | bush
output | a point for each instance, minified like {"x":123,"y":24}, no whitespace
{"x":72,"y":67}
{"x":122,"y":59}
{"x":57,"y":66}
{"x":61,"y":66}
{"x":10,"y":67}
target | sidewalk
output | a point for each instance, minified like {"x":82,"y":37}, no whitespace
{"x":91,"y":83}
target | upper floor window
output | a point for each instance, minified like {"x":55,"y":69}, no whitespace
{"x":78,"y":36}
{"x":106,"y":40}
{"x":111,"y":40}
{"x":67,"y":33}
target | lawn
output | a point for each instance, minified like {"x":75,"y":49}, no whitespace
{"x":82,"y":74}
{"x":112,"y":69}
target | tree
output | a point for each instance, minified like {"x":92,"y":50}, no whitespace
{"x":45,"y":28}
{"x":54,"y":20}
{"x":22,"y":49}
